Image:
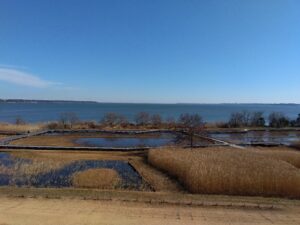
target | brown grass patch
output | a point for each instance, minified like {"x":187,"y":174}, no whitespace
{"x":97,"y":178}
{"x":7,"y":127}
{"x":59,"y":140}
{"x":228,"y":171}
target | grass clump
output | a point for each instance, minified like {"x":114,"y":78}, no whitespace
{"x":228,"y":171}
{"x":97,"y":178}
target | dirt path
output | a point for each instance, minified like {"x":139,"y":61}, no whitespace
{"x":25,"y":211}
{"x":158,"y":180}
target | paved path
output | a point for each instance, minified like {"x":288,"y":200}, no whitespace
{"x":18,"y":211}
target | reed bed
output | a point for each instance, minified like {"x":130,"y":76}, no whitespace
{"x":28,"y":171}
{"x":228,"y":171}
{"x":286,"y":154}
{"x":97,"y":178}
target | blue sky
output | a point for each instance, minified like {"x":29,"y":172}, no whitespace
{"x":160,"y":51}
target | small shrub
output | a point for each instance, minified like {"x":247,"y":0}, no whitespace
{"x":142,"y":118}
{"x":68,"y":119}
{"x":222,"y":125}
{"x":113,"y":119}
{"x":20,"y":121}
{"x":53,"y":125}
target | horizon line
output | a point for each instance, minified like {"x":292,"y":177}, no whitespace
{"x":162,"y":103}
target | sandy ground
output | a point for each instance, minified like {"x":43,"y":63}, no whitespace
{"x":25,"y":211}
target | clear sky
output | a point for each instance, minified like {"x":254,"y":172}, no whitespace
{"x":166,"y":51}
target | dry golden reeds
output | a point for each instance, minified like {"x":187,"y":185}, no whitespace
{"x":97,"y":178}
{"x":285,"y":154}
{"x":8,"y":127}
{"x":229,"y":171}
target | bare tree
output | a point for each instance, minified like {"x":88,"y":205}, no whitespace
{"x":171,"y":122}
{"x":191,"y":124}
{"x":278,"y":120}
{"x":236,"y":120}
{"x":68,"y":119}
{"x":142,"y":118}
{"x":246,"y":119}
{"x":114,"y":119}
{"x":20,"y":121}
{"x":122,"y":121}
{"x":156,"y":120}
{"x":257,"y":119}
{"x":109,"y":119}
{"x":297,"y":121}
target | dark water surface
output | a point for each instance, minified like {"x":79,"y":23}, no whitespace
{"x":63,"y":177}
{"x":252,"y":137}
{"x":41,"y":112}
{"x":124,"y":142}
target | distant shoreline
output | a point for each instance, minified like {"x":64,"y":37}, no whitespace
{"x":34,"y":101}
{"x":43,"y":101}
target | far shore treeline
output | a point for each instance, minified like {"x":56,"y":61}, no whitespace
{"x":244,"y":119}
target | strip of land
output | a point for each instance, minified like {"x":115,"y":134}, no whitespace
{"x":16,"y":211}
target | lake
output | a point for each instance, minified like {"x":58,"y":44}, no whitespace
{"x":43,"y":112}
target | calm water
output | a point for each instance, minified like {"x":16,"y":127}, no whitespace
{"x":40,"y":112}
{"x":124,"y":142}
{"x":252,"y":137}
{"x":10,"y":175}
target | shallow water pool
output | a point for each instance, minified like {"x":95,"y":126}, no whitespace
{"x":125,"y":142}
{"x":252,"y":137}
{"x":12,"y":174}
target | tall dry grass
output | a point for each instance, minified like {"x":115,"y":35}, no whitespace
{"x":97,"y":178}
{"x":282,"y":153}
{"x":8,"y":127}
{"x":36,"y":167}
{"x":228,"y":171}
